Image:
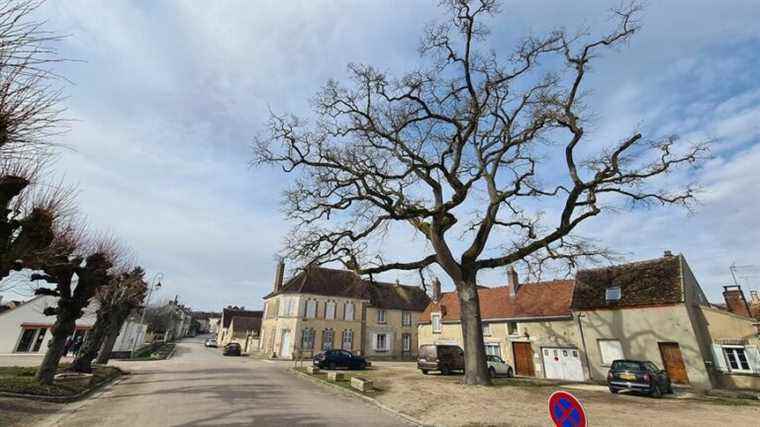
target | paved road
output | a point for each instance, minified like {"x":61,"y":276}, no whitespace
{"x":199,"y":387}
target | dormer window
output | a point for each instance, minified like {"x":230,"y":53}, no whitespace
{"x":613,"y":294}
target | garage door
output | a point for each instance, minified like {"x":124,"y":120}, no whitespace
{"x":563,"y":364}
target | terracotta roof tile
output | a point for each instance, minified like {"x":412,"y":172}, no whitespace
{"x":241,"y":324}
{"x":398,"y":297}
{"x":540,"y":299}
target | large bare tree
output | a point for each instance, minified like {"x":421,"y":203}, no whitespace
{"x":485,"y":156}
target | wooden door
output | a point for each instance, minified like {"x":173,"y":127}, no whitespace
{"x":673,"y":362}
{"x":523,"y":359}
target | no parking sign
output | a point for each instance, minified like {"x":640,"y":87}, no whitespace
{"x":566,"y":411}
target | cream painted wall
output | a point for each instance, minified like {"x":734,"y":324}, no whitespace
{"x":540,"y":334}
{"x":394,"y":328}
{"x":728,"y":326}
{"x":639,"y":331}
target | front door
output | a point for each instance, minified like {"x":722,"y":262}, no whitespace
{"x":673,"y":362}
{"x":285,"y":344}
{"x":523,"y":359}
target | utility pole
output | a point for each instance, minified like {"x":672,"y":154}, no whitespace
{"x":157,"y":279}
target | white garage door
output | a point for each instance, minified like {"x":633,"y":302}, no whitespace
{"x":563,"y":364}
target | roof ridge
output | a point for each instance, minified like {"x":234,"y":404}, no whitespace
{"x":632,"y":263}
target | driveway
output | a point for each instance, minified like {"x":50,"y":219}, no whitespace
{"x":199,"y":387}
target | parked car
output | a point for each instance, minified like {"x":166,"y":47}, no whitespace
{"x":333,"y":359}
{"x":440,"y":357}
{"x":640,"y":376}
{"x":211,"y":343}
{"x":497,"y":366}
{"x":232,"y":349}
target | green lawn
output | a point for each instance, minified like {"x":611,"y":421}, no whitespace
{"x":21,"y":380}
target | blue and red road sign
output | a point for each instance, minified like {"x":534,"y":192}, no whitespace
{"x":566,"y":411}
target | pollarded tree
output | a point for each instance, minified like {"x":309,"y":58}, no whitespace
{"x":486,"y":157}
{"x":74,"y":276}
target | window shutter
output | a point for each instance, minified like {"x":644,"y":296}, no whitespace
{"x":719,"y":359}
{"x":753,"y":358}
{"x":374,"y":342}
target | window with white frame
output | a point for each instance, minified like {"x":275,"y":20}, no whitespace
{"x":327,"y":339}
{"x":406,"y":318}
{"x":736,"y":356}
{"x":610,"y":351}
{"x":348,"y":311}
{"x":613,"y":294}
{"x":381,"y":342}
{"x":307,"y":339}
{"x":511,"y":328}
{"x":348,"y":340}
{"x":486,"y":330}
{"x":406,"y":343}
{"x":330,"y":310}
{"x":311,"y":309}
{"x":435,"y":320}
{"x":493,"y":349}
{"x":380,"y":316}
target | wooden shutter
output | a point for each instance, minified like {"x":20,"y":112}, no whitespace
{"x":719,"y":359}
{"x":753,"y":358}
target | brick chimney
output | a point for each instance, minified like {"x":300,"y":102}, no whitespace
{"x":436,"y":290}
{"x":279,"y":275}
{"x":512,"y":281}
{"x":735,"y":301}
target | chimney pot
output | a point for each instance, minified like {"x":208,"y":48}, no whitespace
{"x":668,"y":253}
{"x":513,"y":282}
{"x":278,"y":276}
{"x":735,"y":301}
{"x":436,"y":290}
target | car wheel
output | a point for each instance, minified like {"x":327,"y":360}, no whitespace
{"x":656,"y":392}
{"x":492,"y":372}
{"x":445,"y":371}
{"x":670,"y":389}
{"x":331,"y":366}
{"x":363,"y":366}
{"x":510,"y":374}
{"x":614,"y":390}
{"x":424,"y":371}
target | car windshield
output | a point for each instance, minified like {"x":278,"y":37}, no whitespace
{"x":626,"y":365}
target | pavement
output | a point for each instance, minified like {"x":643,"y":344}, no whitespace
{"x":199,"y":387}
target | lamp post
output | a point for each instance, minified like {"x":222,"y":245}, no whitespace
{"x":156,"y":285}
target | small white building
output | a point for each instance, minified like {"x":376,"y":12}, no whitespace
{"x":25,"y":329}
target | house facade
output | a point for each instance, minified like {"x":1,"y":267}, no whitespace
{"x":529,"y":325}
{"x":25,"y":329}
{"x":249,"y":322}
{"x":573,"y":329}
{"x":321,"y":308}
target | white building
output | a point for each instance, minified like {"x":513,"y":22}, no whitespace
{"x":25,"y":329}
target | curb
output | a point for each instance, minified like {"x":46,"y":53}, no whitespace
{"x":65,"y":399}
{"x":375,"y":402}
{"x":56,"y":418}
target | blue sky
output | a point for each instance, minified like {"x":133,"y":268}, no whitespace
{"x":168,"y":96}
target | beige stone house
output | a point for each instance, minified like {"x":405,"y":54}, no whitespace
{"x":322,"y":308}
{"x":529,"y":325}
{"x":649,"y":310}
{"x":656,"y":310}
{"x":248,"y":323}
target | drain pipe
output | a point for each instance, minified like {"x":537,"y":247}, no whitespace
{"x":585,"y":350}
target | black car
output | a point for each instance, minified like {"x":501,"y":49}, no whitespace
{"x":232,"y":349}
{"x":640,"y":376}
{"x":332,"y":359}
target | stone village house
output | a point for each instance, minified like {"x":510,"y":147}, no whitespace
{"x":237,"y":324}
{"x":321,"y":308}
{"x":650,"y":310}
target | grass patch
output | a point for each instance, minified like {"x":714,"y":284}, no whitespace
{"x":22,"y":380}
{"x":346,"y":383}
{"x":151,"y":352}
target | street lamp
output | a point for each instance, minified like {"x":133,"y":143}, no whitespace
{"x":157,"y":285}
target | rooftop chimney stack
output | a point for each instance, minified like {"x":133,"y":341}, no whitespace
{"x":667,"y":253}
{"x":735,"y":301}
{"x":279,"y":275}
{"x":512,"y":281}
{"x":436,"y":290}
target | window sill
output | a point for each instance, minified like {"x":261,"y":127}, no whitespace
{"x":742,"y":373}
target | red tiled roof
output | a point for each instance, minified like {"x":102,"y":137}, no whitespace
{"x":541,"y":299}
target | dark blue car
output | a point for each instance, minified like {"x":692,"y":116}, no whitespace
{"x":333,"y":359}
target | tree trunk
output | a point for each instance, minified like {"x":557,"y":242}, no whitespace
{"x":113,"y":332}
{"x":83,"y":362}
{"x":63,"y":328}
{"x":476,"y":369}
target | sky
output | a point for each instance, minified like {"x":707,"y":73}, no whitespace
{"x":166,"y":97}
